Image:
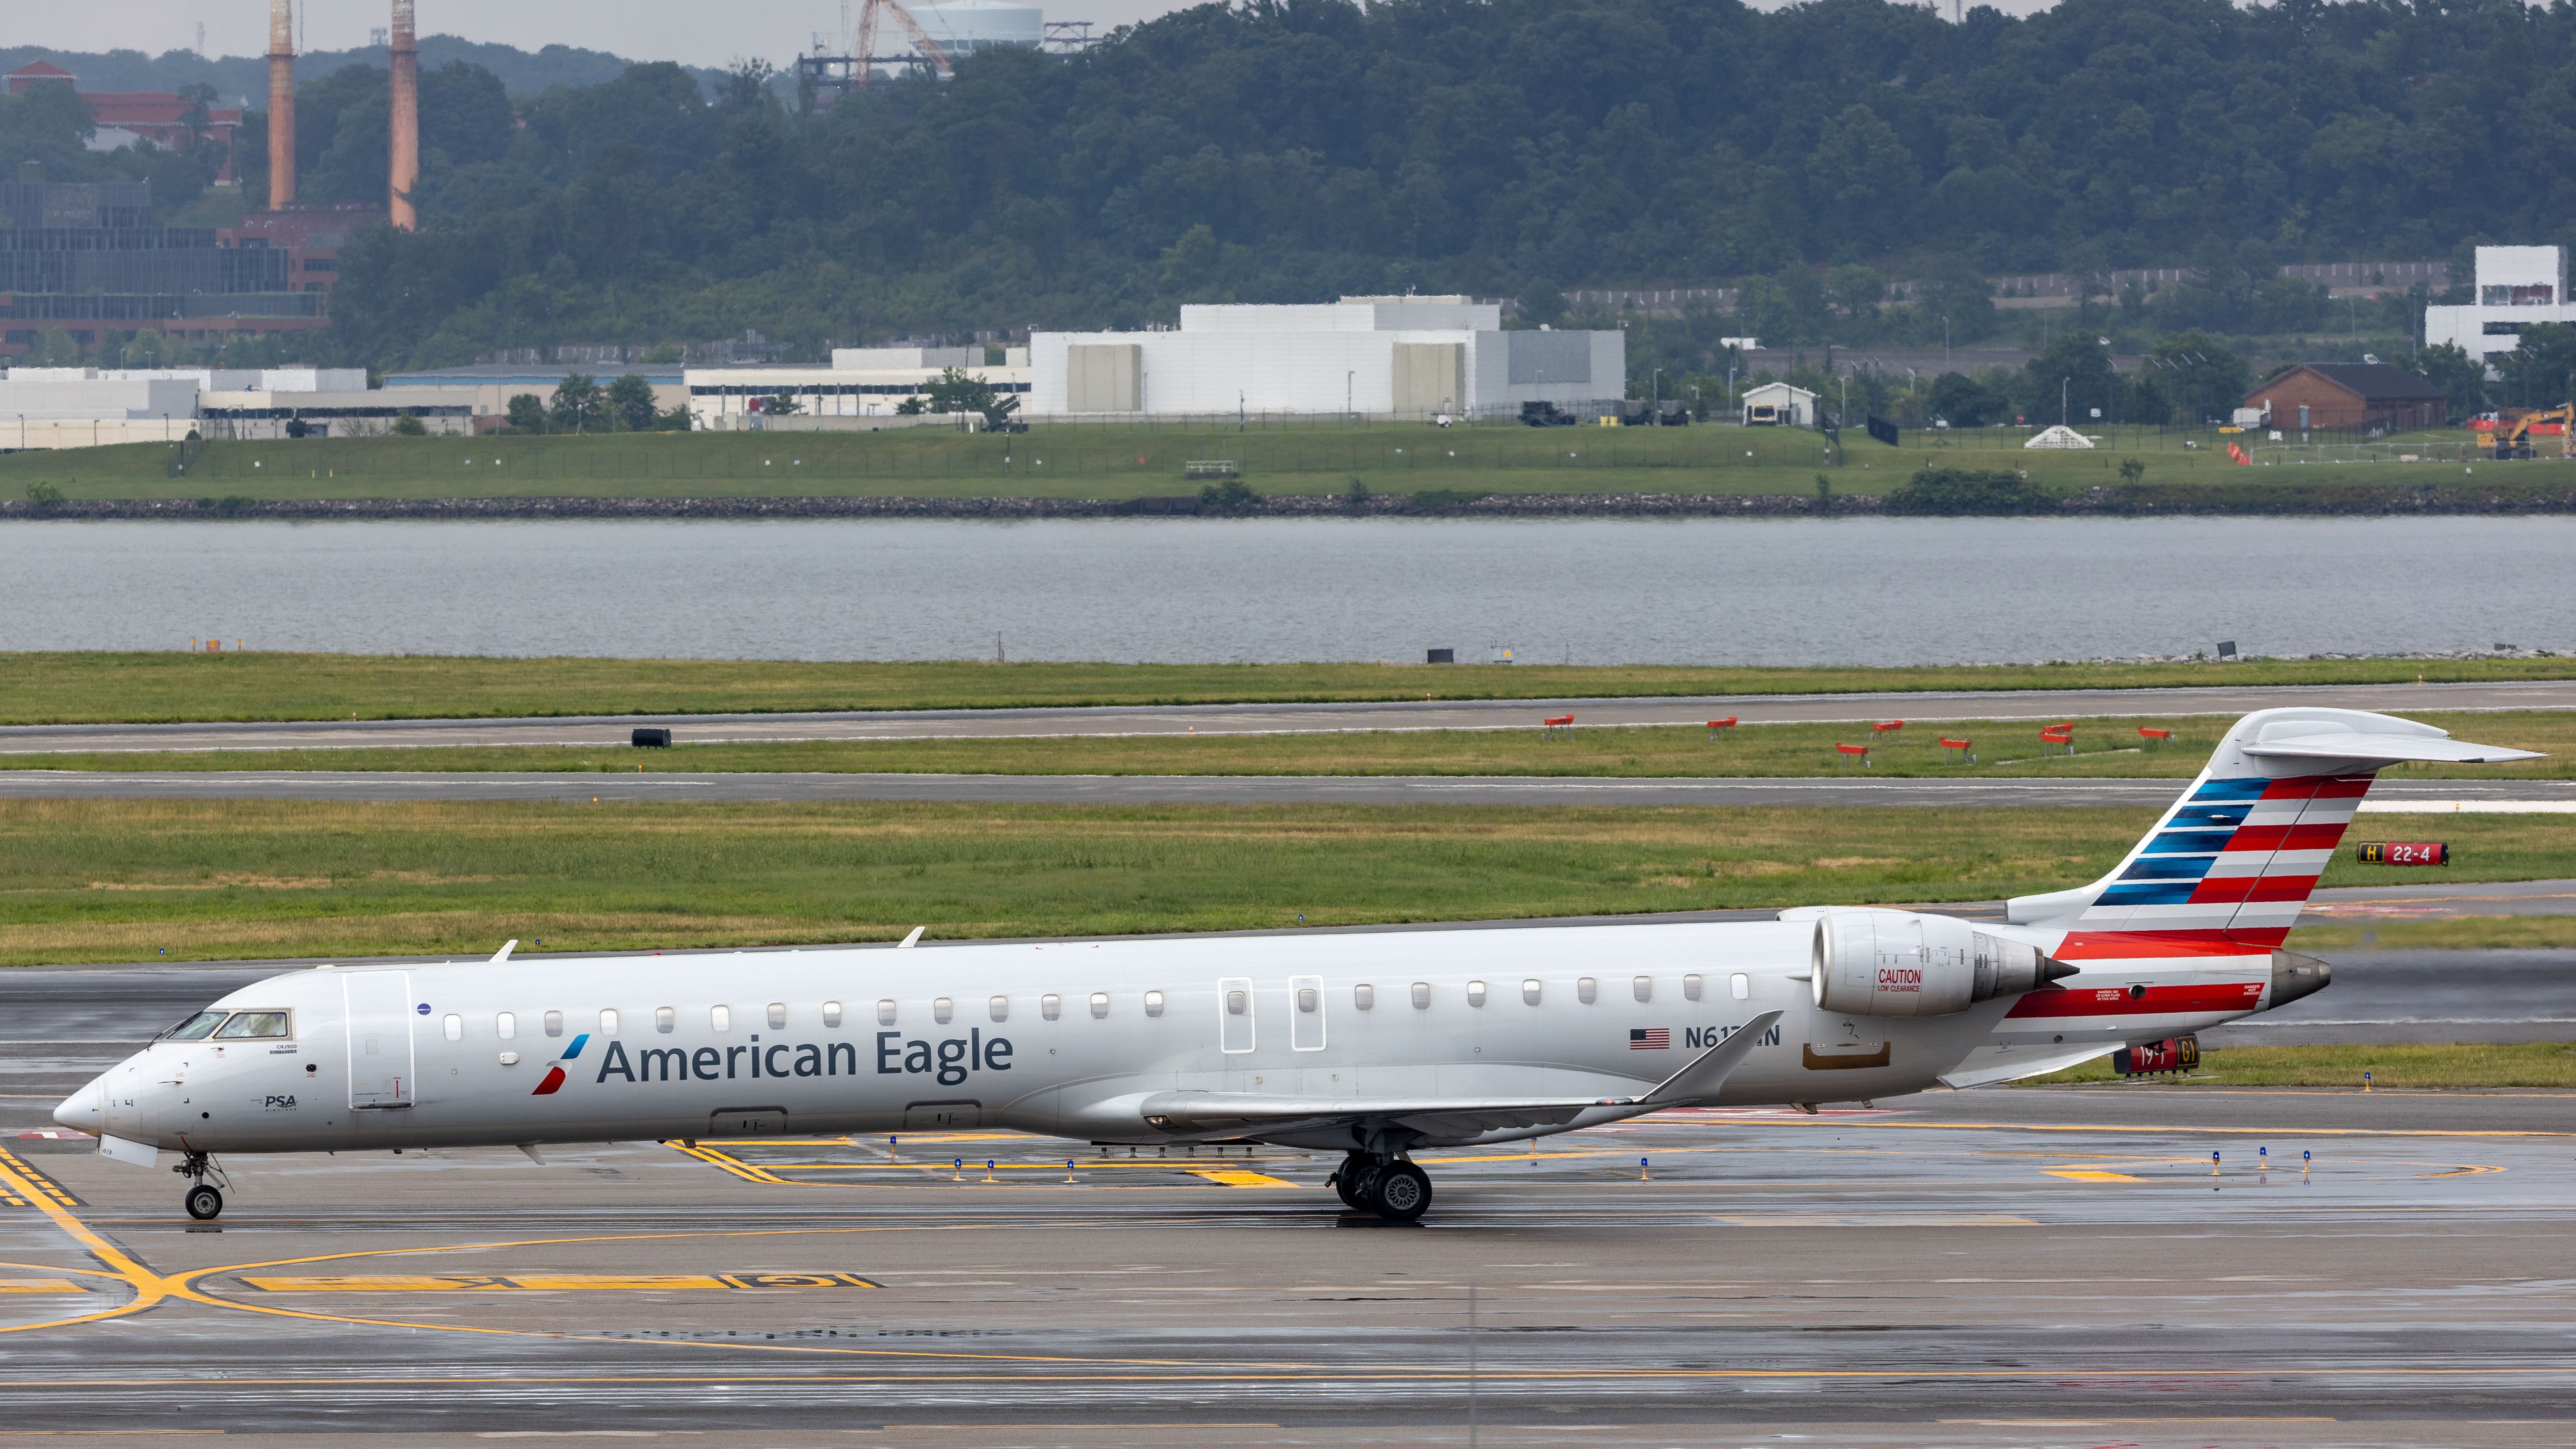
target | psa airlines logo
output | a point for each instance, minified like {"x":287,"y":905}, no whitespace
{"x":949,"y":1062}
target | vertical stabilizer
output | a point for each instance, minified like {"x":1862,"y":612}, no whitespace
{"x":2232,"y":863}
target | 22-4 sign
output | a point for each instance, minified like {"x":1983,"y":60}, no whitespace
{"x":2398,"y":852}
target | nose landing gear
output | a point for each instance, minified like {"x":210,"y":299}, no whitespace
{"x":204,"y":1199}
{"x":1393,"y":1189}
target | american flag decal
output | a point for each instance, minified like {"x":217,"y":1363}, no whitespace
{"x":1650,"y":1039}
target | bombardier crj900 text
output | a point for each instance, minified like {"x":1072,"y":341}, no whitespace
{"x":1368,"y":1044}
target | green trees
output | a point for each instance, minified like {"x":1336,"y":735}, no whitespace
{"x":2461,"y":380}
{"x":2540,"y":372}
{"x":526,"y":413}
{"x":578,"y":406}
{"x":630,"y":403}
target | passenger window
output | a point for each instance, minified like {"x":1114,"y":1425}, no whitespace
{"x":885,"y":1012}
{"x":1306,"y":999}
{"x":1690,"y":988}
{"x":454,"y":1026}
{"x":253,"y":1023}
{"x":1529,"y":993}
{"x":1153,"y":1003}
{"x":1740,"y":986}
{"x":554,"y":1023}
{"x":1000,"y":1007}
{"x":1644,"y":986}
{"x":1100,"y":1006}
{"x":1363,"y":996}
{"x":778,"y":1016}
{"x":1475,"y":993}
{"x":665,"y":1018}
{"x":1587,"y":990}
{"x":201,"y":1025}
{"x":942,"y":1010}
{"x":1422,"y":996}
{"x":1237,"y":1003}
{"x":608,"y":1021}
{"x":720,"y":1018}
{"x":832,"y":1014}
{"x":505,"y":1026}
{"x":1051,"y":1006}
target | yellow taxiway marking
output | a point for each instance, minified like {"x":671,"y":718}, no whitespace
{"x":29,"y":1184}
{"x":547,"y":1282}
{"x":40,"y":1285}
{"x":1234,"y":1177}
{"x":2088,"y":1174}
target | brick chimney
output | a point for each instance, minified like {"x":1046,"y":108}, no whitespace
{"x":281,"y":104}
{"x":406,"y":118}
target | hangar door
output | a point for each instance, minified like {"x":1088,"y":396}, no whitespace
{"x":1430,"y":377}
{"x":1104,"y":378}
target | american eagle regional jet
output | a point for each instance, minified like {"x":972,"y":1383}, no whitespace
{"x":1372,"y":1045}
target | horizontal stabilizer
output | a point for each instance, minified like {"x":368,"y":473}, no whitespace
{"x":1989,"y":1066}
{"x":2388,"y":748}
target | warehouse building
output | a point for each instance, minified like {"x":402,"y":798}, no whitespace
{"x":1376,"y":357}
{"x":861,"y":388}
{"x":84,"y":256}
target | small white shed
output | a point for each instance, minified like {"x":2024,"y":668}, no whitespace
{"x":2058,"y":435}
{"x":1777,"y":404}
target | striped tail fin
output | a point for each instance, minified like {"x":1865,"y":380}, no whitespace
{"x":2232,"y":863}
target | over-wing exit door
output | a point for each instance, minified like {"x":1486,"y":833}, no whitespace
{"x":380,"y":1017}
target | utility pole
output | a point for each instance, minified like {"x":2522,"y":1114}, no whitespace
{"x":2061,"y":400}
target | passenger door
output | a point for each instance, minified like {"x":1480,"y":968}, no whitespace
{"x":379,"y":1022}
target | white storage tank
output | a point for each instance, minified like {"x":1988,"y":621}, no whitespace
{"x":966,"y":26}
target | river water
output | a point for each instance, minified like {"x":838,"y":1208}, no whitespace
{"x":1599,"y":591}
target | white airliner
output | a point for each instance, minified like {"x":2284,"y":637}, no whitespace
{"x":1369,"y":1044}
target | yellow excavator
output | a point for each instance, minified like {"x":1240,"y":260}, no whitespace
{"x":2513,"y":439}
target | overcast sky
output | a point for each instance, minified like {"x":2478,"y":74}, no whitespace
{"x":696,"y":31}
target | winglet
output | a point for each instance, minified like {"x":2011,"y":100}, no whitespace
{"x":504,"y":953}
{"x":912,"y":940}
{"x":1707,"y":1072}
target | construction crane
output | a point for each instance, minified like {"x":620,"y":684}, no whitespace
{"x":826,"y":78}
{"x":863,"y":47}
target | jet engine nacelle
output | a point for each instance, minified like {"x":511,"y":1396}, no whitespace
{"x":1897,"y":963}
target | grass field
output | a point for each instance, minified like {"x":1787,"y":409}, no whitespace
{"x":2106,"y":747}
{"x":88,"y":880}
{"x":1135,"y":461}
{"x":63,"y":688}
{"x":2397,"y":1068}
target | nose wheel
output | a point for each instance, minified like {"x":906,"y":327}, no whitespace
{"x":204,"y":1199}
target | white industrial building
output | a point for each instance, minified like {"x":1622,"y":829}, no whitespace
{"x":861,"y":388}
{"x":963,"y":27}
{"x":2517,"y":287}
{"x":1383,"y":357}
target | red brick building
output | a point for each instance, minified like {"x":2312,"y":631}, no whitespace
{"x":2350,"y":395}
{"x":124,"y":117}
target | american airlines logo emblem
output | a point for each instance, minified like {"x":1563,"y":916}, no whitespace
{"x":1650,"y":1039}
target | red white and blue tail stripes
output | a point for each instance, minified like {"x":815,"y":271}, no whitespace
{"x":2226,"y":870}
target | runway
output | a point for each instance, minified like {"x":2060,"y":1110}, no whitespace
{"x":1524,"y":790}
{"x":596,"y":731}
{"x":1997,"y":1267}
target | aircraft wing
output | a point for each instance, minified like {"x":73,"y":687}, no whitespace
{"x":1697,"y":1081}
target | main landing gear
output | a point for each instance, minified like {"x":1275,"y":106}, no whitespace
{"x":204,"y":1199}
{"x":1393,"y":1189}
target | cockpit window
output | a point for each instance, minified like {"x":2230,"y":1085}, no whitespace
{"x":253,"y":1023}
{"x":198,"y":1026}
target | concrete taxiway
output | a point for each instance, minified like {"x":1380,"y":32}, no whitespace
{"x":2017,"y":1267}
{"x":1929,"y":706}
{"x":2438,"y":796}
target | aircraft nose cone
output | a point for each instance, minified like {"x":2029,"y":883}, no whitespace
{"x":84,"y":1110}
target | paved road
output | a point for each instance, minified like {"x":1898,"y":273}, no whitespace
{"x":1279,"y":718}
{"x":1926,"y":1273}
{"x":1853,"y":789}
